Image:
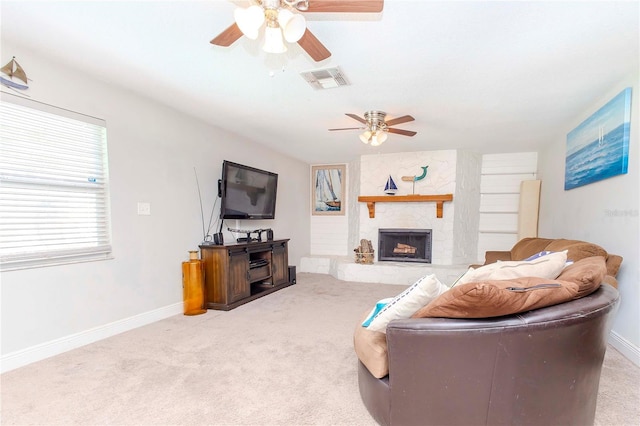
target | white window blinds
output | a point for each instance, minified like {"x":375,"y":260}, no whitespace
{"x":54,"y":199}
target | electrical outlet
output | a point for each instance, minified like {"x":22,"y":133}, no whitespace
{"x":144,"y":209}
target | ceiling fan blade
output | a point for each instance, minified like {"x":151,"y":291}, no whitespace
{"x":367,"y":6}
{"x":402,"y":132}
{"x":355,"y":117}
{"x":348,"y":128}
{"x":400,"y":120}
{"x":313,"y":47}
{"x":228,"y":36}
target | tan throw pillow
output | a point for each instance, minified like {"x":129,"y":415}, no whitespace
{"x":576,"y":249}
{"x":496,"y":298}
{"x":406,"y":303}
{"x":613,"y":264}
{"x":548,"y":266}
{"x":371,"y":349}
{"x":528,"y":246}
{"x":587,"y":273}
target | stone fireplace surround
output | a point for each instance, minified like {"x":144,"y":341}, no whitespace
{"x":454,"y":236}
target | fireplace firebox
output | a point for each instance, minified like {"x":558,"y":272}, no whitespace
{"x":404,"y":245}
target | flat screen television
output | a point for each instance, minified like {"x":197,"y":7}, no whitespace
{"x":247,"y":192}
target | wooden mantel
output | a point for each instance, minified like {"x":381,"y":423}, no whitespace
{"x":438,"y":199}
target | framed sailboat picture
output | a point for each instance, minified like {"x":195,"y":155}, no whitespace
{"x":328,"y":189}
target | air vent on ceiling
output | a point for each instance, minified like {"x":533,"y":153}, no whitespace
{"x":327,"y":78}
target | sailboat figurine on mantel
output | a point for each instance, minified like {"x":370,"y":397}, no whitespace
{"x":390,"y":188}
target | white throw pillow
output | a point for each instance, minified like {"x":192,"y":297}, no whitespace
{"x":548,"y":266}
{"x":408,"y":302}
{"x":376,"y":310}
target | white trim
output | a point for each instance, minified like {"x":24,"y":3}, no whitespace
{"x":42,"y":351}
{"x":55,"y":262}
{"x":625,"y":347}
{"x":41,"y":106}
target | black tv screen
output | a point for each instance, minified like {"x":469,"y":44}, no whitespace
{"x":247,"y":192}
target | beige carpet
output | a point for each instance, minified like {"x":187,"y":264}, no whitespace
{"x":285,"y":359}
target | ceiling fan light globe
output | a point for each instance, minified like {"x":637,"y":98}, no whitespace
{"x":293,"y":25}
{"x":378,"y":138}
{"x":251,"y":34}
{"x":273,"y":42}
{"x":365,"y":137}
{"x":284,"y":16}
{"x":249,"y":20}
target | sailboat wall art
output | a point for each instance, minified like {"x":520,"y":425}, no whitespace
{"x":13,"y":76}
{"x":599,"y":147}
{"x":328,"y":189}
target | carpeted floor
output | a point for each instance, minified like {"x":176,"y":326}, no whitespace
{"x":285,"y":359}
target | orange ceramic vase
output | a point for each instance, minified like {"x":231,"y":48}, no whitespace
{"x":193,"y":285}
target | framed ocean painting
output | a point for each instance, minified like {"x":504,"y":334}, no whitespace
{"x":599,"y":147}
{"x":327,"y":190}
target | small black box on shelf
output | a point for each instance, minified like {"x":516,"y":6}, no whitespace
{"x":218,"y":238}
{"x":292,"y":274}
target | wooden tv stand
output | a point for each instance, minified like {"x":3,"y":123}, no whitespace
{"x":239,"y":273}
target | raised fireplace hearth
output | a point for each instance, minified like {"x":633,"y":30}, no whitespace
{"x":404,"y":245}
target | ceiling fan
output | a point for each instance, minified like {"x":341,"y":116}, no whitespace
{"x":279,"y":20}
{"x":376,"y":127}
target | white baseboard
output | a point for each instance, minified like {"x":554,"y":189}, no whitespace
{"x":23,"y":357}
{"x":625,"y":347}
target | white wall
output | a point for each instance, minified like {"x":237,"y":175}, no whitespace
{"x":153,"y":150}
{"x":604,"y":212}
{"x":466,"y":221}
{"x":329,"y":233}
{"x":502,"y":175}
{"x":354,"y":206}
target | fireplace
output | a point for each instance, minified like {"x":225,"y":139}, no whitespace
{"x":404,"y":245}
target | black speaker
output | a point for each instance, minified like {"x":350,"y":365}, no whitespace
{"x":269,"y":235}
{"x":218,"y":238}
{"x":292,"y":274}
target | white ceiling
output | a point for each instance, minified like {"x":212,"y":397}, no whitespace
{"x":481,"y":75}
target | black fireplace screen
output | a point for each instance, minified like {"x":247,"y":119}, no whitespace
{"x":404,"y":245}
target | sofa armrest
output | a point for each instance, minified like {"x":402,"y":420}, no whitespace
{"x":494,"y":256}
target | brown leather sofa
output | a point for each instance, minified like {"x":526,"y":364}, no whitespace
{"x":540,"y":367}
{"x":576,"y":250}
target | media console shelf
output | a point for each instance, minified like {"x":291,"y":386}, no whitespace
{"x":438,"y":199}
{"x":239,"y":273}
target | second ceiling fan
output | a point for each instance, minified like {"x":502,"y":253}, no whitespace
{"x":377,"y":127}
{"x":280,"y":21}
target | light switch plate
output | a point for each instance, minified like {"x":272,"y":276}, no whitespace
{"x":144,"y":209}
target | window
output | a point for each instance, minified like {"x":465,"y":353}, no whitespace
{"x":54,"y":192}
